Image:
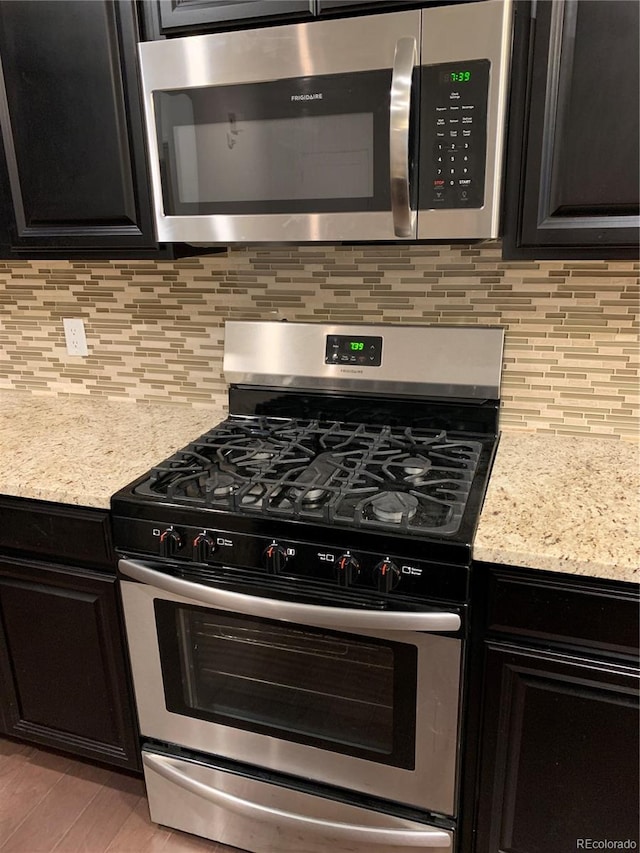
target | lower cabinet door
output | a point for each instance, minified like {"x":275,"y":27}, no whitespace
{"x":559,"y":754}
{"x":63,"y":668}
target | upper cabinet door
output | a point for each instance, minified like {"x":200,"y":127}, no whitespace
{"x":573,"y":181}
{"x":178,"y":17}
{"x":72,"y":129}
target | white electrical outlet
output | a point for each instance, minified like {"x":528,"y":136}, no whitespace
{"x":74,"y":336}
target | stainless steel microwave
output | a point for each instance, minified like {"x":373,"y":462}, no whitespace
{"x":381,"y":127}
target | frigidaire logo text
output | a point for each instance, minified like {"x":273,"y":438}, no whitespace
{"x":316,"y":96}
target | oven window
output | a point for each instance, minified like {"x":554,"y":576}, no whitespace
{"x":313,"y":144}
{"x":343,"y":692}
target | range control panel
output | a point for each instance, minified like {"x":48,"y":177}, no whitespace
{"x":342,"y":567}
{"x":454,"y":134}
{"x":353,"y":349}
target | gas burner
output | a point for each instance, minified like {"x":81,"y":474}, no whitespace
{"x":415,"y":467}
{"x":245,"y":454}
{"x":220,"y":484}
{"x":394,"y":507}
{"x":253,"y":497}
{"x":310,"y":496}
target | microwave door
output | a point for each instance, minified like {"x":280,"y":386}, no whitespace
{"x":307,"y":139}
{"x":296,"y":148}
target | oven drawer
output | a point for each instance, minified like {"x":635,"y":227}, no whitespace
{"x":265,"y":818}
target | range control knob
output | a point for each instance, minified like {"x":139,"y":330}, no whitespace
{"x":275,"y":558}
{"x":204,"y":547}
{"x":347,"y":569}
{"x":170,"y":542}
{"x":386,"y":575}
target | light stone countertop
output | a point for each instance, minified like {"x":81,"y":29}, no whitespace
{"x":563,"y":504}
{"x":557,"y":503}
{"x":80,"y":450}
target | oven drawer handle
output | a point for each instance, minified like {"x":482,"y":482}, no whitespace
{"x":289,"y":611}
{"x":166,"y":767}
{"x":399,"y":123}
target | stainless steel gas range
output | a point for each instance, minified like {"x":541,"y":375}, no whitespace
{"x":295,"y":589}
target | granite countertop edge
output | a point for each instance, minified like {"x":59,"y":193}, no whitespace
{"x":562,"y":565}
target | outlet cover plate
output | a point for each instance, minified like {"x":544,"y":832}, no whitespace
{"x":75,"y":336}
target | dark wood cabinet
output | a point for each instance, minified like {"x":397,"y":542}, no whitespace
{"x":573,"y":179}
{"x":179,"y":17}
{"x":558,"y":739}
{"x":562,"y":734}
{"x":62,"y":662}
{"x":73,"y":180}
{"x":166,"y":18}
{"x":64,"y":676}
{"x":38,"y":529}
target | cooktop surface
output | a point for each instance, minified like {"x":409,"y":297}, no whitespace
{"x":351,"y":475}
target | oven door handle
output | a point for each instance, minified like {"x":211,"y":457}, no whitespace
{"x":404,"y":219}
{"x":320,"y":616}
{"x":169,"y":769}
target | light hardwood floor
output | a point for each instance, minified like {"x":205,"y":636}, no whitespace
{"x":52,"y":802}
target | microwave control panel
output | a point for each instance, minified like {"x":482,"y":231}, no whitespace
{"x":453,"y":137}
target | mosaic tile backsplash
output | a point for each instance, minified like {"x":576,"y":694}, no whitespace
{"x":155,"y":329}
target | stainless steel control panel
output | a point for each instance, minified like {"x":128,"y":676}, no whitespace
{"x":457,"y":361}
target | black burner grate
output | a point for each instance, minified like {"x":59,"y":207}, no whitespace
{"x":353,"y":475}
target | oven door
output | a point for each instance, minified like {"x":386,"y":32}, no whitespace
{"x":289,"y":133}
{"x":316,"y":691}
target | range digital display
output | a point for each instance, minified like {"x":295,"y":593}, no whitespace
{"x":362,"y":351}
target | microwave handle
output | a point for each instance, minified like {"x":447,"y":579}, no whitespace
{"x":399,"y":119}
{"x":170,"y":769}
{"x":321,"y":616}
